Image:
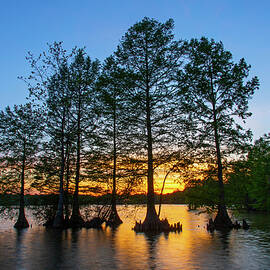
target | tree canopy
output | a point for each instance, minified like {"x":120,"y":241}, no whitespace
{"x":155,"y":104}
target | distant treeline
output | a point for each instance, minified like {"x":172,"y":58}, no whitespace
{"x":177,"y":197}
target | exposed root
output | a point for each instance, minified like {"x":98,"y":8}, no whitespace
{"x":107,"y":214}
{"x":76,"y":221}
{"x":157,"y":226}
{"x":22,"y":222}
{"x":95,"y":222}
{"x":222,"y":221}
{"x":113,"y":220}
{"x":211,"y":226}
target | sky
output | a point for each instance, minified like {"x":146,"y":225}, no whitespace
{"x":242,"y":25}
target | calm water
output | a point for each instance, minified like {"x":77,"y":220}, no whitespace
{"x":37,"y":248}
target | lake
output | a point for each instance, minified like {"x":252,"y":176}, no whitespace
{"x":38,"y":248}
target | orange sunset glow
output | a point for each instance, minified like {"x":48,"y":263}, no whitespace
{"x":172,"y":184}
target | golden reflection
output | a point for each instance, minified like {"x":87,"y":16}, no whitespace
{"x":162,"y":251}
{"x":122,"y":248}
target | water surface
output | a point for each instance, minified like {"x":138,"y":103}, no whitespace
{"x":194,"y":248}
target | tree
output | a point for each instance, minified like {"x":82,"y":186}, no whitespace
{"x":257,"y":174}
{"x":110,"y":87}
{"x":59,"y":126}
{"x":83,"y":76}
{"x":248,"y":181}
{"x":151,"y":58}
{"x":214,"y":92}
{"x":21,"y":132}
{"x":49,"y":85}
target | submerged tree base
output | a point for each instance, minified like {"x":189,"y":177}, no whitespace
{"x":48,"y":223}
{"x":58,"y":222}
{"x":211,"y":226}
{"x":222,"y":220}
{"x":22,"y":222}
{"x":95,"y":223}
{"x":104,"y":214}
{"x":113,"y":220}
{"x":76,"y":221}
{"x":157,"y":226}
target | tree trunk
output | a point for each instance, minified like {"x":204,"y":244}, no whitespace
{"x":114,"y":219}
{"x":151,"y":222}
{"x":76,"y":220}
{"x":66,"y":193}
{"x":22,"y":221}
{"x":161,"y":192}
{"x":222,"y":220}
{"x":59,"y":217}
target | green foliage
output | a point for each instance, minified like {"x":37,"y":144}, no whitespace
{"x":49,"y":85}
{"x":150,"y":59}
{"x":202,"y":193}
{"x":248,"y":181}
{"x":21,"y":132}
{"x":214,"y":92}
{"x":65,"y":87}
{"x":237,"y":185}
{"x":259,"y":173}
{"x":84,"y":116}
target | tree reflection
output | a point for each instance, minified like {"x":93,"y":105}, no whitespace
{"x":54,"y":241}
{"x":112,"y":238}
{"x":224,"y":237}
{"x":19,"y":251}
{"x":152,"y":241}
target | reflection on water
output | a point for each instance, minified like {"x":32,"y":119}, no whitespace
{"x":122,"y":248}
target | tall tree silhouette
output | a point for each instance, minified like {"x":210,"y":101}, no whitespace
{"x":64,"y":83}
{"x":214,"y":92}
{"x":20,"y":136}
{"x":59,"y":127}
{"x":83,"y":75}
{"x":111,"y":89}
{"x":49,"y":85}
{"x":148,"y":53}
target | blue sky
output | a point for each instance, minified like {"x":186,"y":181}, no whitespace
{"x":242,"y":25}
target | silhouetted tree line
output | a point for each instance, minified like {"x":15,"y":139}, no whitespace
{"x":156,"y":102}
{"x":176,"y":197}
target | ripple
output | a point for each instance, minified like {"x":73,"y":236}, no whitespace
{"x":194,"y":248}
